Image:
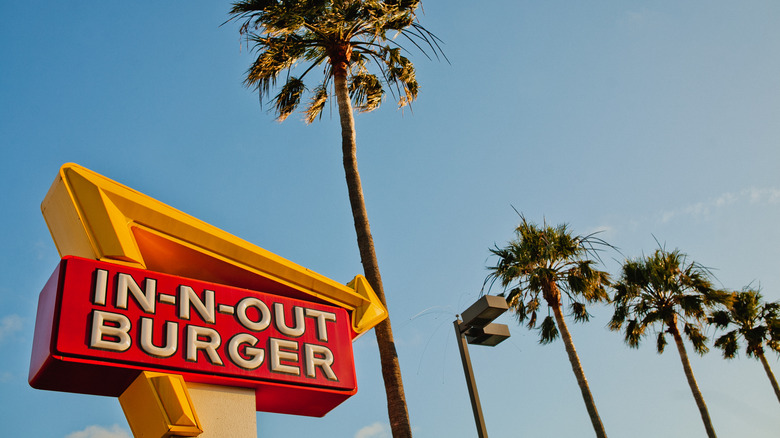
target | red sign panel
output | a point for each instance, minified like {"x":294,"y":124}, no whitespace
{"x":99,"y":324}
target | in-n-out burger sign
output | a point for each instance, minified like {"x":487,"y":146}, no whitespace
{"x":100,"y":323}
{"x":144,"y":288}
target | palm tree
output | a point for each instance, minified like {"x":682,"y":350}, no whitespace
{"x":550,"y":262}
{"x":343,"y":38}
{"x":758,"y":323}
{"x":664,"y":291}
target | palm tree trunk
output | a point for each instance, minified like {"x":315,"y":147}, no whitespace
{"x":579,"y":373}
{"x":705,"y":415}
{"x":769,"y":373}
{"x":391,"y":369}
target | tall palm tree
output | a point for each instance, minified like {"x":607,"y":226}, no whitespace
{"x":341,"y":39}
{"x":665,"y":291}
{"x":550,"y":263}
{"x":756,"y":322}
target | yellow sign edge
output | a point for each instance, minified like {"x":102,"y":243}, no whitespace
{"x":92,"y":216}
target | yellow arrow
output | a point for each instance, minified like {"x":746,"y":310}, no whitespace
{"x":94,"y":217}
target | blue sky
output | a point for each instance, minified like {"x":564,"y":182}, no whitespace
{"x":644,"y":120}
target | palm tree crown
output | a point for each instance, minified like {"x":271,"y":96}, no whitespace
{"x":343,"y":38}
{"x":756,"y":322}
{"x":550,"y":262}
{"x":659,"y":291}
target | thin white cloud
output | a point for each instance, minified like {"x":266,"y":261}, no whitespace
{"x":636,"y":19}
{"x":752,"y":195}
{"x":376,"y":430}
{"x":101,"y":432}
{"x":764,"y":195}
{"x":9,"y":325}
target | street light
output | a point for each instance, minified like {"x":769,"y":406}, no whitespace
{"x":477,"y":328}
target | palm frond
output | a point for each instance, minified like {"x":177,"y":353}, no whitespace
{"x":719,"y":318}
{"x":696,"y":337}
{"x":317,"y":103}
{"x":618,"y":317}
{"x":548,"y":331}
{"x":773,"y":345}
{"x":728,"y":343}
{"x":525,"y":310}
{"x":288,"y":98}
{"x":755,"y":337}
{"x":366,"y":92}
{"x":660,"y":342}
{"x":691,"y":305}
{"x":400,"y":71}
{"x":633,"y":333}
{"x":275,"y":56}
{"x":250,"y":11}
{"x":531,"y":319}
{"x":579,"y":312}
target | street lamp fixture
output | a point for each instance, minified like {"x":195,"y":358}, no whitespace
{"x":478,"y":328}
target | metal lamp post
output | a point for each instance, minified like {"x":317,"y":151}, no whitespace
{"x":477,"y":328}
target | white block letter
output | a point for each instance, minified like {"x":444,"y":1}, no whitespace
{"x":209,"y":345}
{"x":265,"y":314}
{"x":300,"y":324}
{"x":171,"y":338}
{"x":119,"y":328}
{"x":278,"y":355}
{"x":101,"y":286}
{"x":257,"y":355}
{"x":188,"y":298}
{"x":144,"y":298}
{"x":322,"y":318}
{"x":318,"y":356}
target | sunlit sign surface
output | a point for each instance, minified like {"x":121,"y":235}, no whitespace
{"x":93,"y":217}
{"x":100,"y":323}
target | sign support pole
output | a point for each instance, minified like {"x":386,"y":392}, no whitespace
{"x":224,"y":411}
